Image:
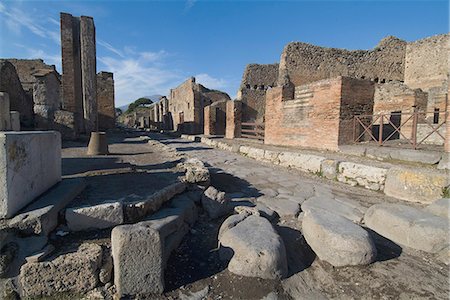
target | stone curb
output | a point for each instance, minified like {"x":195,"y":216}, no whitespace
{"x":354,"y":174}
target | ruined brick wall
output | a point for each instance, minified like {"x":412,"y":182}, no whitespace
{"x":233,"y":128}
{"x":426,"y":62}
{"x":47,"y":98}
{"x":105,"y":101}
{"x":26,"y":68}
{"x":71,"y":68}
{"x":19,"y":101}
{"x":319,"y":115}
{"x":397,"y":96}
{"x":306,"y":63}
{"x":256,"y":80}
{"x":186,"y":105}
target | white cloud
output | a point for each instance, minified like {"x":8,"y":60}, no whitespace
{"x":16,"y":19}
{"x":139,"y":75}
{"x":110,"y":47}
{"x":189,"y":4}
{"x":211,"y":82}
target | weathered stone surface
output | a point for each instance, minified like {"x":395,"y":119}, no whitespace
{"x":254,"y":153}
{"x":271,"y":156}
{"x":416,"y":185}
{"x":304,"y":162}
{"x":329,"y":168}
{"x":71,"y":272}
{"x":408,"y":226}
{"x":425,"y":157}
{"x":137,"y":210}
{"x":283,"y":207}
{"x":215,"y":203}
{"x":444,"y":163}
{"x":106,"y":268}
{"x":337,"y":240}
{"x":230,"y":222}
{"x":41,"y":216}
{"x":343,"y":207}
{"x":137,"y":252}
{"x":266,"y":212}
{"x":25,"y":156}
{"x":256,"y":249}
{"x":440,"y":208}
{"x":358,"y":174}
{"x":195,"y":169}
{"x":100,"y":216}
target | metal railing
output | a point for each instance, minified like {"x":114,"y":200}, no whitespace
{"x":253,"y":130}
{"x":398,"y":126}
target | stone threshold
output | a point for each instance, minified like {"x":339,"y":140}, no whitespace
{"x":411,"y":182}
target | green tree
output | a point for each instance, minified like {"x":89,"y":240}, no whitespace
{"x":139,"y":102}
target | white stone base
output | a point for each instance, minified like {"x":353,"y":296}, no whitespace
{"x":30,"y":163}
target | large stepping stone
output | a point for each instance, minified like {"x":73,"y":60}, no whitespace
{"x":408,"y":226}
{"x":282,"y":206}
{"x":215,"y":203}
{"x":337,"y":240}
{"x":255,"y":248}
{"x":339,"y":206}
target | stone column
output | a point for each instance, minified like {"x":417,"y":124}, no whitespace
{"x":15,"y":120}
{"x":105,"y":101}
{"x":5,"y":121}
{"x":209,"y":120}
{"x":71,"y":68}
{"x":234,"y":116}
{"x":88,"y":73}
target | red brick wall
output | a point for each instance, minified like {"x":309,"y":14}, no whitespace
{"x":209,"y":121}
{"x":320,"y":115}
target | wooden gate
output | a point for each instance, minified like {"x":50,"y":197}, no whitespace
{"x":253,"y":131}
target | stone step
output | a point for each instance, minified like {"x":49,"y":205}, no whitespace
{"x":41,"y":216}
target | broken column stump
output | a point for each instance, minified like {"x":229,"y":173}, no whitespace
{"x":98,"y":144}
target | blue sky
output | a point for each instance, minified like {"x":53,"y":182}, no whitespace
{"x":152,"y":46}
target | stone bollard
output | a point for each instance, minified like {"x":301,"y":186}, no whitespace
{"x":15,"y":120}
{"x":98,"y":144}
{"x":5,"y":122}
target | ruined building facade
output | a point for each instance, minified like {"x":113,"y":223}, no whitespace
{"x":105,"y":101}
{"x":186,"y":105}
{"x":319,"y":90}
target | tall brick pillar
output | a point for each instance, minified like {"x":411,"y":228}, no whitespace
{"x":209,"y":120}
{"x":71,"y":68}
{"x":234,"y":119}
{"x":89,"y":73}
{"x":105,"y":101}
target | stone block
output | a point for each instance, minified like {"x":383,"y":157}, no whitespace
{"x":215,"y":202}
{"x":72,"y":272}
{"x":14,"y":117}
{"x":409,"y":226}
{"x":41,"y":216}
{"x":100,"y":216}
{"x":416,"y":185}
{"x":337,"y":240}
{"x":329,"y":168}
{"x":346,"y":208}
{"x":304,"y":162}
{"x":283,"y":207}
{"x":370,"y":177}
{"x":32,"y":164}
{"x":254,"y":248}
{"x":255,"y":153}
{"x":271,"y":156}
{"x":137,"y":252}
